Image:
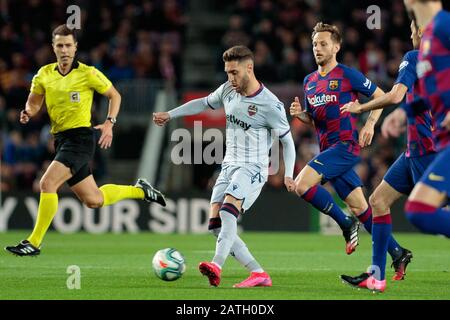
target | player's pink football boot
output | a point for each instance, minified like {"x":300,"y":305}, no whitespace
{"x":256,"y":279}
{"x":212,"y":271}
{"x":365,"y":281}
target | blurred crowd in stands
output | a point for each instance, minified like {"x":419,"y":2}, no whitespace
{"x":145,"y":39}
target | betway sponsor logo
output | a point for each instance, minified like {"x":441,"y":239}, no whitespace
{"x":232,"y":119}
{"x":320,"y":100}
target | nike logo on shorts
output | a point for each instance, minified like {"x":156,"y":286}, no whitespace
{"x":435,"y":177}
{"x":318,"y":162}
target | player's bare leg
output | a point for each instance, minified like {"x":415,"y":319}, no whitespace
{"x":382,"y":199}
{"x":308,"y":187}
{"x":427,"y":195}
{"x":88,"y":192}
{"x":306,"y":179}
{"x":424,"y":210}
{"x":356,"y":201}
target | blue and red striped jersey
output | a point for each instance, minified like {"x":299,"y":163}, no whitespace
{"x":433,"y":71}
{"x":326,"y":94}
{"x":420,"y":122}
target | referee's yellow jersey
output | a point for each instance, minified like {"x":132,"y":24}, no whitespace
{"x":69,"y":98}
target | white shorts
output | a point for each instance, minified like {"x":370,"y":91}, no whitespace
{"x":243,"y":183}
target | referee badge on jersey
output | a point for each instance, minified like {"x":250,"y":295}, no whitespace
{"x":74,"y":96}
{"x":252,"y":110}
{"x":333,"y":84}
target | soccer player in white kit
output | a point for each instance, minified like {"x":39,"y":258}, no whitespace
{"x":255,"y":117}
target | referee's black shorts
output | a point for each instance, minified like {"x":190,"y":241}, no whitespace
{"x":75,"y":149}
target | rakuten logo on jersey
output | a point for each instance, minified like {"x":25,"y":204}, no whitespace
{"x":320,"y":100}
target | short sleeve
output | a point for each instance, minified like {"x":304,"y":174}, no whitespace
{"x":37,"y":85}
{"x":98,"y":81}
{"x":407,"y":71}
{"x":360,"y":83}
{"x":276,"y":119}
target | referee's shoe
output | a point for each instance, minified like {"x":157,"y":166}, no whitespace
{"x":150,"y":194}
{"x":24,"y":248}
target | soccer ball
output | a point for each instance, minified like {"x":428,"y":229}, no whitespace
{"x":168,"y":264}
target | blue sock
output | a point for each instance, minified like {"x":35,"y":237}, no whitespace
{"x":427,"y":218}
{"x":322,"y":200}
{"x":381,"y":232}
{"x":394,"y":249}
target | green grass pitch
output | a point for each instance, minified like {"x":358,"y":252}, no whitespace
{"x":302,"y":266}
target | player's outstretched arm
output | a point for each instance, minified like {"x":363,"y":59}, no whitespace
{"x":296,"y":110}
{"x":190,"y":108}
{"x":32,"y":106}
{"x":395,"y":96}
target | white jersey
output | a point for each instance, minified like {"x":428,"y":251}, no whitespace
{"x":252,"y":124}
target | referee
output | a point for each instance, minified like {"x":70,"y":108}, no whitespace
{"x":68,"y":87}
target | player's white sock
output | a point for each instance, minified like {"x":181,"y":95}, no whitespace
{"x":241,"y":253}
{"x":226,"y":237}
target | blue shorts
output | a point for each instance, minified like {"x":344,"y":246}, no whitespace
{"x":336,"y":166}
{"x":404,"y":174}
{"x":437,"y":174}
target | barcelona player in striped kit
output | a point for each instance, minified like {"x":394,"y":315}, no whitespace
{"x":326,"y":90}
{"x":407,"y":169}
{"x":424,"y":207}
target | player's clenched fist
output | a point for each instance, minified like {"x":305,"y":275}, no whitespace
{"x":24,"y":117}
{"x":161,"y":118}
{"x":290,"y":184}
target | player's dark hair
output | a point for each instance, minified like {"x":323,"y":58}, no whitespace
{"x":64,"y":30}
{"x":238,"y":53}
{"x":323,"y":27}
